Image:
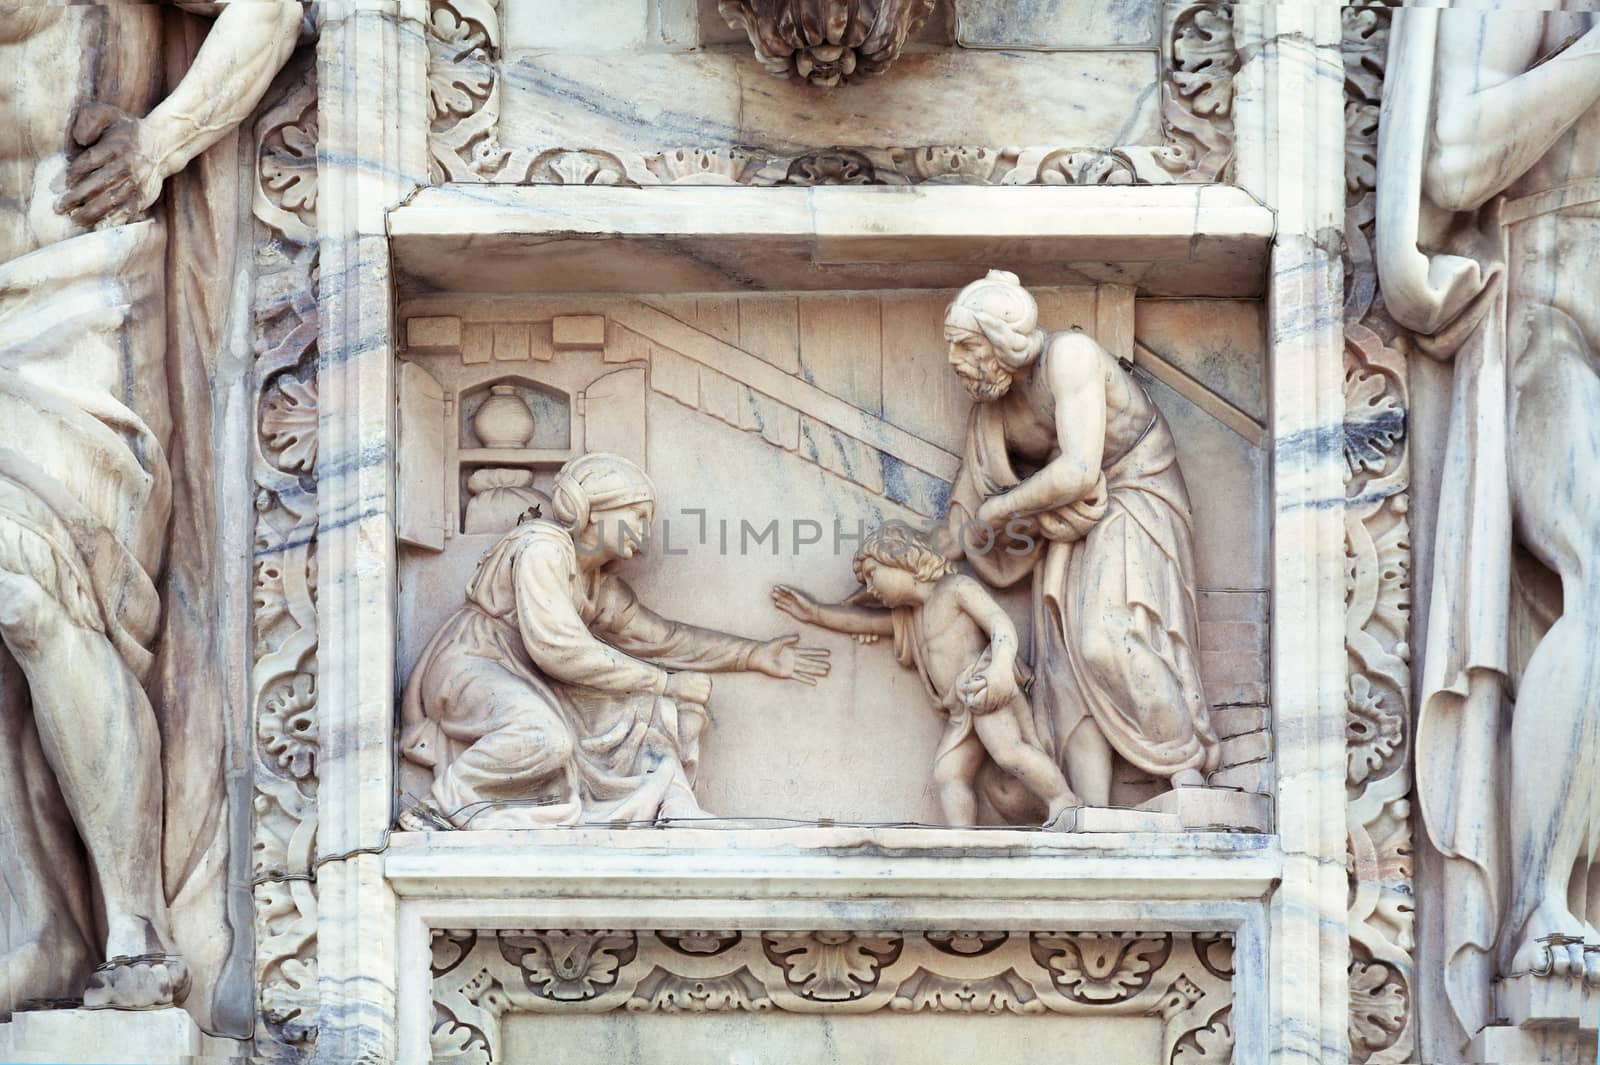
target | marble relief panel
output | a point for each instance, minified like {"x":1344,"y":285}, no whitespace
{"x":779,"y":429}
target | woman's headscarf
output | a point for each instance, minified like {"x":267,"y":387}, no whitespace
{"x":598,"y":481}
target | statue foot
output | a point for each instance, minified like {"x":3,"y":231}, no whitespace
{"x":138,"y":982}
{"x":1552,"y":944}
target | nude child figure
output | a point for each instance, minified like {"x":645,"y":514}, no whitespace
{"x":961,"y":642}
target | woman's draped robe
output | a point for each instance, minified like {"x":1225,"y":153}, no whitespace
{"x":1114,"y":615}
{"x":530,"y":707}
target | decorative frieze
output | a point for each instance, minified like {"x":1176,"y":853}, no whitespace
{"x":1198,"y":63}
{"x":1183,"y":981}
{"x":1378,"y":595}
{"x":284,"y":670}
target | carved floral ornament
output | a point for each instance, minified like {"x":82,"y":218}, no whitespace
{"x":1382,"y":1022}
{"x":1183,"y":979}
{"x":284,"y":622}
{"x":826,"y":42}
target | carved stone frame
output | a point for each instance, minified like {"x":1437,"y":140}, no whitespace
{"x":602,"y":881}
{"x":372,"y":924}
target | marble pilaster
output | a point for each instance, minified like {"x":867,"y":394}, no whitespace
{"x":1289,"y":115}
{"x":372,"y":152}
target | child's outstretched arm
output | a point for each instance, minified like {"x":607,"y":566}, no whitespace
{"x":855,"y":620}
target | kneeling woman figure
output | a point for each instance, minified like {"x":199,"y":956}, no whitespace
{"x":553,"y":696}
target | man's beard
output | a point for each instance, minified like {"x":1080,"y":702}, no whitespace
{"x":996,"y":382}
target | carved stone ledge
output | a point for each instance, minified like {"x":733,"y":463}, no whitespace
{"x":1173,"y":239}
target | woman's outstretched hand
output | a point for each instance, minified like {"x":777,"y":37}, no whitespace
{"x":782,"y":659}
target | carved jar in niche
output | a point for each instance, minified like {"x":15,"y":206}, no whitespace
{"x":504,"y":420}
{"x":826,"y":41}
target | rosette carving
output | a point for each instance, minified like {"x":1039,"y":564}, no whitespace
{"x":284,"y":622}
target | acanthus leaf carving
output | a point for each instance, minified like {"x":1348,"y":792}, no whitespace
{"x":453,"y":1043}
{"x":832,"y":966}
{"x":672,"y":993}
{"x":1102,"y":966}
{"x":570,"y":966}
{"x":1374,"y":729}
{"x":463,"y":88}
{"x":1004,"y":993}
{"x":289,"y":422}
{"x":1197,"y":96}
{"x":1379,"y":1008}
{"x":460,"y":68}
{"x":1210,"y":1045}
{"x":286,"y":165}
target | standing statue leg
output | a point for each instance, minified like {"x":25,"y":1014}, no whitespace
{"x":98,"y":734}
{"x":1088,"y":763}
{"x":47,"y":919}
{"x":1555,"y":731}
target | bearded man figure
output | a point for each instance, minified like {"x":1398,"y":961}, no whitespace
{"x":115,"y":866}
{"x":1071,"y":476}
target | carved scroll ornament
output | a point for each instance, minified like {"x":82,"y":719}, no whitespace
{"x":284,"y":673}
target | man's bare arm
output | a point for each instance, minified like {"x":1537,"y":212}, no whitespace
{"x":126,"y":159}
{"x":246,"y":47}
{"x":1495,"y":117}
{"x":1075,"y":372}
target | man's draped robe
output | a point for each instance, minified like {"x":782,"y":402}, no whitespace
{"x":1114,"y":613}
{"x":109,"y":344}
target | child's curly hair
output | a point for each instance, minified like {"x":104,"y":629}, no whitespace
{"x":896,"y":544}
